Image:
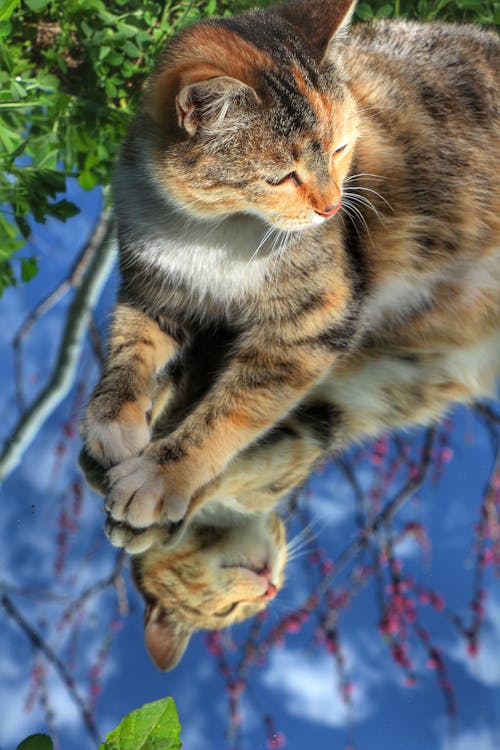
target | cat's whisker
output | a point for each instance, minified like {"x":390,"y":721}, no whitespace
{"x":265,"y":237}
{"x":363,"y":200}
{"x":184,"y":208}
{"x":364,"y":174}
{"x":350,"y":209}
{"x":278,"y":249}
{"x":370,"y":190}
{"x":303,"y":537}
{"x":283,"y":246}
{"x":217,"y":224}
{"x":297,"y":555}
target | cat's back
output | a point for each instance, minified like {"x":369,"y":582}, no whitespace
{"x":429,"y":97}
{"x":449,"y":71}
{"x":447,"y":48}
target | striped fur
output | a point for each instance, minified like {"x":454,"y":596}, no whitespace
{"x":309,"y":229}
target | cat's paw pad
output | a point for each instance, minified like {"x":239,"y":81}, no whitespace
{"x":141,"y":494}
{"x":113,"y":441}
{"x":136,"y":541}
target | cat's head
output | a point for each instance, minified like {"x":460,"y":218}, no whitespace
{"x":215,"y":576}
{"x":252,"y":115}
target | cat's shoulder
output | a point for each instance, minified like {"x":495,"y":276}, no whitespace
{"x":450,"y":48}
{"x":434,"y":36}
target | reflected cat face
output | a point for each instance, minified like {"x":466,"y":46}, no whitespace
{"x":215,"y":576}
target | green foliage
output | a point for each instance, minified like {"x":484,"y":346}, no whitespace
{"x":473,"y":11}
{"x":36,"y":742}
{"x":70,"y":77}
{"x":154,"y":726}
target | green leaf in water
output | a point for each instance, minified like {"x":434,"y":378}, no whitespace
{"x":155,"y":726}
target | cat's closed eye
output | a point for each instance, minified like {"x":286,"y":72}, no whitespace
{"x":290,"y":177}
{"x":340,"y":149}
{"x":226,"y":610}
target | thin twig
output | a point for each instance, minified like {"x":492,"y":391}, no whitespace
{"x":382,"y":518}
{"x":487,"y":412}
{"x":39,"y":643}
{"x":114,"y":579}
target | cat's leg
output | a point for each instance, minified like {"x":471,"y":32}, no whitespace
{"x":258,"y":389}
{"x":115,"y":425}
{"x":253,"y":482}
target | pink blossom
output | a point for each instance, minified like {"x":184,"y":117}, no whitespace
{"x":278,"y":739}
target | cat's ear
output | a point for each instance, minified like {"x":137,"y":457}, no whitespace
{"x":166,"y":639}
{"x":213,"y":104}
{"x":319,"y":21}
{"x":206,"y":66}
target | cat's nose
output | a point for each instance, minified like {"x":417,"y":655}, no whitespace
{"x":271,"y":591}
{"x":329,"y":211}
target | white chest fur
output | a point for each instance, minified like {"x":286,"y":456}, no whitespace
{"x":214,"y":259}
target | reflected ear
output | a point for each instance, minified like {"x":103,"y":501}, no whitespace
{"x":319,"y":21}
{"x":212,"y":103}
{"x":166,"y":640}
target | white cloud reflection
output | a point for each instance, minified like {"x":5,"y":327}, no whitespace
{"x":308,"y":685}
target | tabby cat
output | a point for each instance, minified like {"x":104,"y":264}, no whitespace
{"x":309,"y":229}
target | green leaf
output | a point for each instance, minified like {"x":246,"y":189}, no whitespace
{"x":52,"y":179}
{"x":364,"y":11}
{"x":24,"y":226}
{"x":48,"y":81}
{"x":155,"y":726}
{"x":87,"y":180}
{"x":114,"y":58}
{"x":9,"y":137}
{"x":36,"y":741}
{"x":131,"y":49}
{"x":37,"y":5}
{"x":5,"y":28}
{"x":29,"y":268}
{"x":7,"y":7}
{"x":384,"y":11}
{"x":63,"y":209}
{"x":103,"y":52}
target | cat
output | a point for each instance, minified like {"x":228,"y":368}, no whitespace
{"x":309,"y":227}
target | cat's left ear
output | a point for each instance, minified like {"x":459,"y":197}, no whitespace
{"x":166,"y":639}
{"x":319,"y":21}
{"x":212,"y":104}
{"x":203,"y":74}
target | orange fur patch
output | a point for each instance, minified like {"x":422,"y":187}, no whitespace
{"x":206,"y":51}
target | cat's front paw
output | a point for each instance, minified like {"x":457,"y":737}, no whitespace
{"x":111,"y":441}
{"x":136,"y":541}
{"x":144,"y":492}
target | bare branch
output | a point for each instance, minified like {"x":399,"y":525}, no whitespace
{"x":73,"y":280}
{"x":69,"y":353}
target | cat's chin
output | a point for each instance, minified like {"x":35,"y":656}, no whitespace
{"x":300,"y":226}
